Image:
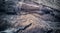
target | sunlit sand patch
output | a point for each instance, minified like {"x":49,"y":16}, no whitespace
{"x":30,"y":18}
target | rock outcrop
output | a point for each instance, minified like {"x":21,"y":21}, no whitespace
{"x":29,"y":16}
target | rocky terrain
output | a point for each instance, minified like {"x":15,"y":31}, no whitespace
{"x":28,"y":16}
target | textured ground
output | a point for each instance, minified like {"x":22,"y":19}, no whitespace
{"x":29,"y":18}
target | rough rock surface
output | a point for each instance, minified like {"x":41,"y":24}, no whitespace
{"x":30,"y":17}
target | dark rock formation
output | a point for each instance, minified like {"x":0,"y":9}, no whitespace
{"x":29,"y":16}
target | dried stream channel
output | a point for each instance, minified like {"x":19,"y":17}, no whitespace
{"x":28,"y":16}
